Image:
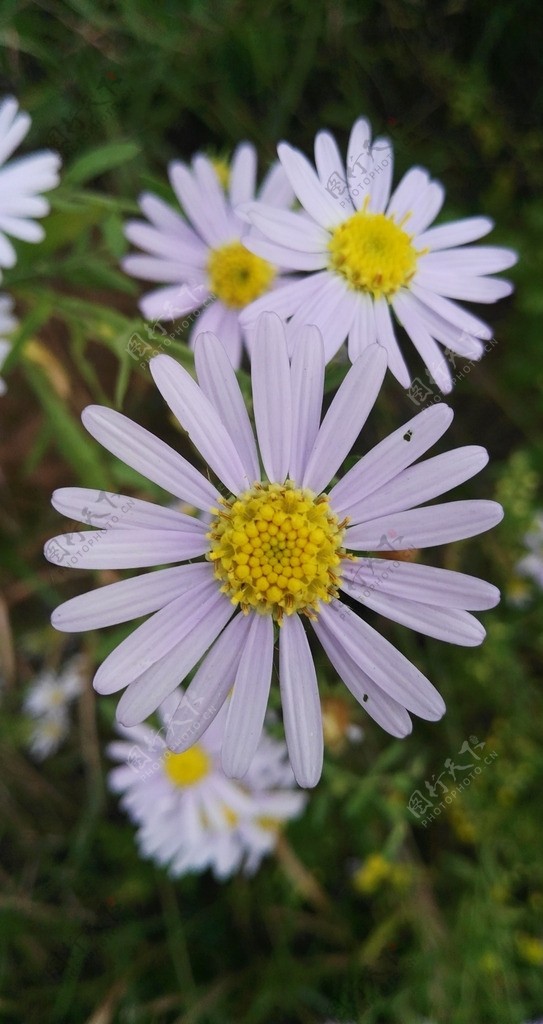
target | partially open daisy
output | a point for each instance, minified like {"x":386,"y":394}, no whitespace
{"x":21,"y":183}
{"x":190,"y":816}
{"x":204,"y":263}
{"x":8,"y":323}
{"x":368,"y":255}
{"x":277,"y":551}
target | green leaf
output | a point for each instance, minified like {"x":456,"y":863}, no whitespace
{"x":98,"y":161}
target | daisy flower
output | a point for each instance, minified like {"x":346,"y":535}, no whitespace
{"x":203,"y":261}
{"x":47,"y":703}
{"x":277,"y":550}
{"x":8,"y":323}
{"x":370,"y":257}
{"x":21,"y":183}
{"x":190,"y":816}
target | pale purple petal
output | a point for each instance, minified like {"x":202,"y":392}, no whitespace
{"x":199,"y":418}
{"x":168,"y":220}
{"x":407,"y":314}
{"x":425,"y":527}
{"x":128,"y":599}
{"x":401,"y":448}
{"x":172,"y":302}
{"x":470,"y":259}
{"x":291,"y":230}
{"x":127,"y":549}
{"x":389,"y":669}
{"x":300,"y":703}
{"x":157,"y":682}
{"x":276,"y":188}
{"x":363,"y":331}
{"x":210,"y":686}
{"x":231,"y":335}
{"x":456,"y":286}
{"x":149,"y":456}
{"x":195,"y":202}
{"x":218,"y":382}
{"x":451,"y":312}
{"x":453,"y":337}
{"x":421,"y":483}
{"x":387,"y":338}
{"x":165,"y":244}
{"x":249,"y":699}
{"x":217,"y":207}
{"x":242,"y":174}
{"x":425,"y":208}
{"x":411,"y":186}
{"x":452,"y":625}
{"x":281,"y":256}
{"x":381,"y":174}
{"x":312,"y":195}
{"x":151,"y":268}
{"x":415,"y":582}
{"x":345,"y":418}
{"x":157,"y":636}
{"x":307,"y":377}
{"x":332,"y":309}
{"x":284,"y":300}
{"x":328,"y":162}
{"x":358,"y":150}
{"x":457,"y":232}
{"x":386,"y":711}
{"x":118,"y":511}
{"x":270,"y":377}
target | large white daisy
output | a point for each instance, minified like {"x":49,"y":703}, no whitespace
{"x":277,"y":550}
{"x":21,"y":183}
{"x":204,"y":263}
{"x":370,"y":257}
{"x":190,"y":816}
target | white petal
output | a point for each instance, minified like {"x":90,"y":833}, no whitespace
{"x":453,"y":337}
{"x":332,"y":309}
{"x":307,"y":377}
{"x":407,"y":313}
{"x":26,"y":230}
{"x":291,"y":230}
{"x":118,"y":511}
{"x":218,"y":382}
{"x":472,"y":289}
{"x":249,"y":699}
{"x":300,"y":703}
{"x":358,"y":156}
{"x":451,"y":312}
{"x":380,"y":172}
{"x":270,"y":377}
{"x":281,"y":256}
{"x":390,"y":456}
{"x":363,"y":330}
{"x":345,"y":418}
{"x":171,"y":302}
{"x":470,"y":259}
{"x":330,"y":166}
{"x":276,"y":188}
{"x":165,"y":244}
{"x":198,"y":417}
{"x":147,"y":455}
{"x":425,"y":208}
{"x":312,"y":195}
{"x":425,"y":527}
{"x":283,"y":300}
{"x":127,"y":549}
{"x":412,"y":185}
{"x":128,"y":599}
{"x":450,"y":624}
{"x":195,"y":202}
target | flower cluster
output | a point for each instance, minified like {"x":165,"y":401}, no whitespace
{"x":47,"y":704}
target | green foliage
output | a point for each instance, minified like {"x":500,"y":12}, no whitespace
{"x":365,"y":914}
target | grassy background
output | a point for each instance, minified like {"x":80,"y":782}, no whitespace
{"x":451,"y":931}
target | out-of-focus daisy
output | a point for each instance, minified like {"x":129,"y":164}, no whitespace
{"x":337,"y":726}
{"x":368,"y":255}
{"x":204,"y":263}
{"x":276,"y":551}
{"x":21,"y":182}
{"x":531,"y":565}
{"x":8,"y":323}
{"x":190,"y":816}
{"x":47,"y":703}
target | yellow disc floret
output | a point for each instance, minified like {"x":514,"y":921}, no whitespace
{"x":189,"y":767}
{"x":237,"y":276}
{"x":276,"y":549}
{"x":373,"y":253}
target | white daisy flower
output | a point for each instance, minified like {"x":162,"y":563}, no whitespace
{"x":204,"y":263}
{"x":190,"y":816}
{"x":47,"y":734}
{"x":367,"y":255}
{"x":277,"y":550}
{"x":21,"y":183}
{"x":8,"y":323}
{"x":51,"y":694}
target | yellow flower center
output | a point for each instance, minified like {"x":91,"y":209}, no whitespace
{"x":237,"y":276}
{"x":189,"y":767}
{"x":276,"y":548}
{"x":373,"y":253}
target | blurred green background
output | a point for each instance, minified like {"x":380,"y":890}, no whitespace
{"x":364,"y":914}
